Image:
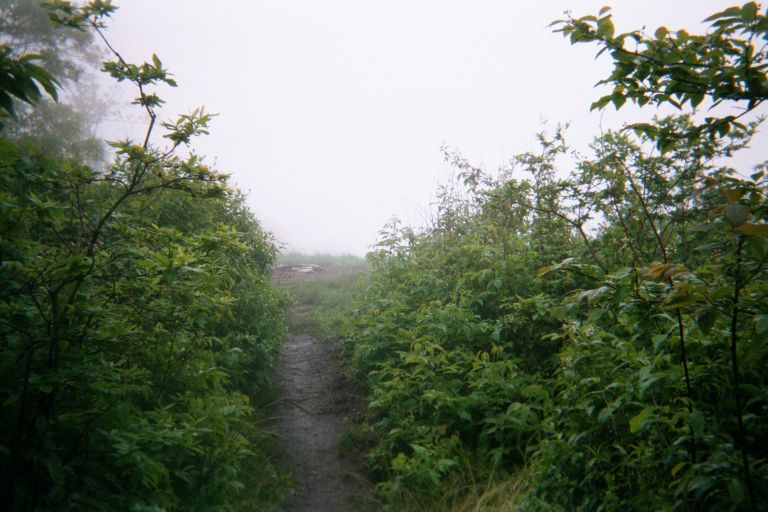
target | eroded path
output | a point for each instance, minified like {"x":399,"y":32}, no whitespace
{"x":317,"y":403}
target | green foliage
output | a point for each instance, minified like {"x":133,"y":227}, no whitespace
{"x":453,"y":338}
{"x":598,"y":337}
{"x":137,"y":319}
{"x":22,"y":79}
{"x":726,"y":64}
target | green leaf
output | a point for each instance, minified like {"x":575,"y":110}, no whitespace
{"x":418,"y":448}
{"x":732,"y":195}
{"x":618,"y":100}
{"x":737,"y":214}
{"x":696,"y":99}
{"x":162,"y":259}
{"x":606,"y":412}
{"x":678,"y":467}
{"x":6,"y":102}
{"x":605,"y":27}
{"x":706,"y":319}
{"x":730,"y":12}
{"x":681,"y":295}
{"x":753,"y":229}
{"x":749,"y":12}
{"x":696,"y":422}
{"x":602,"y":102}
{"x":664,"y":271}
{"x":642,"y":418}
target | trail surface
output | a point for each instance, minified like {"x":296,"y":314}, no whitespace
{"x":317,"y":403}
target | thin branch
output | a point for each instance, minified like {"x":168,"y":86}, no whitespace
{"x":678,"y":315}
{"x":142,"y":94}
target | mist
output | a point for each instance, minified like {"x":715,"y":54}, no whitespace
{"x":332,"y":115}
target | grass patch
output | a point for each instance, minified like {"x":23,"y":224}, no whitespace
{"x":496,"y":496}
{"x":322,"y":259}
{"x":466,"y":493}
{"x":330,"y":298}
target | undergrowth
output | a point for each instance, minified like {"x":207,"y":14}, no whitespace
{"x":592,"y":338}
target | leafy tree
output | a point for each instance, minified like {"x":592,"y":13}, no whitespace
{"x":726,"y":65}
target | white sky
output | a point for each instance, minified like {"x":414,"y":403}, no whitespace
{"x":332,"y":113}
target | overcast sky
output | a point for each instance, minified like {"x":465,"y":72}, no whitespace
{"x":332,"y":113}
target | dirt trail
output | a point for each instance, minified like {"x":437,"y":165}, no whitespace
{"x":317,"y":403}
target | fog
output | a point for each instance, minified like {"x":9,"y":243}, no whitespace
{"x":332,"y":114}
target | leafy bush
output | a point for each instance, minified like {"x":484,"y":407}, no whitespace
{"x":137,"y":318}
{"x":599,"y":337}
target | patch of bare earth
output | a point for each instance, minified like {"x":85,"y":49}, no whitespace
{"x":317,"y":404}
{"x":288,"y":273}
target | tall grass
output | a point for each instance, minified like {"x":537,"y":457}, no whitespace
{"x":329,"y":298}
{"x":497,"y":496}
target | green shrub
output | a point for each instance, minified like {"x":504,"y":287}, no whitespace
{"x":137,"y":319}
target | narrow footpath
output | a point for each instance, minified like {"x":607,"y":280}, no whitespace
{"x":317,"y":404}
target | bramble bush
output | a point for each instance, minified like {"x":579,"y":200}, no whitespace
{"x":600,"y":336}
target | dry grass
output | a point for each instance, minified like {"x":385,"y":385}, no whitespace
{"x":496,"y":496}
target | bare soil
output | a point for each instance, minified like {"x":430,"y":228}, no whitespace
{"x":318,"y":402}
